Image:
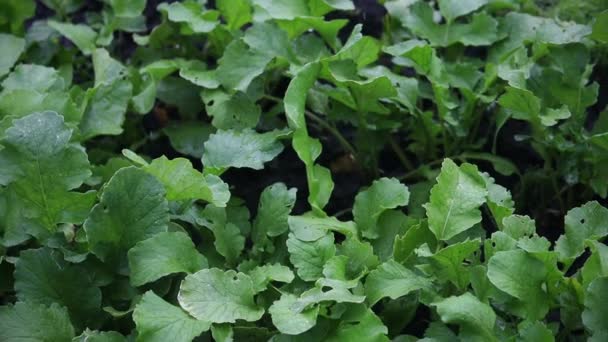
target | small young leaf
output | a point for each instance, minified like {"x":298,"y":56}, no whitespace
{"x":310,"y":257}
{"x":382,"y":195}
{"x":476,"y":319}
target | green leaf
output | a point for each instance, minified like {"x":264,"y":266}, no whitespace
{"x":81,"y":35}
{"x":99,"y":336}
{"x":521,"y":104}
{"x":197,"y":73}
{"x":227,"y":230}
{"x":222,"y":332}
{"x":261,"y":276}
{"x":448,"y":263}
{"x":600,"y":27}
{"x":128,"y":8}
{"x":13,"y":48}
{"x":42,"y":167}
{"x":359,"y":255}
{"x":391,"y":224}
{"x":594,"y":316}
{"x":192,"y":14}
{"x":182,"y":181}
{"x":188,"y":137}
{"x":14,"y":13}
{"x":310,"y":257}
{"x":516,"y":67}
{"x":268,"y":39}
{"x":218,"y":296}
{"x":42,"y":276}
{"x":246,"y":148}
{"x":481,"y":30}
{"x":520,"y":28}
{"x":106,"y":109}
{"x":132,"y":208}
{"x":452,"y":9}
{"x":35,"y":322}
{"x":236,"y":12}
{"x":363,"y":50}
{"x":382,"y":195}
{"x":416,"y":236}
{"x":63,"y":7}
{"x":289,"y":321}
{"x":455,"y":200}
{"x":521,"y":276}
{"x":295,"y":96}
{"x":365,"y":93}
{"x":363,"y":325}
{"x":106,"y":69}
{"x":585,"y":222}
{"x":476,"y":319}
{"x":596,"y":265}
{"x":536,"y":331}
{"x":327,"y":29}
{"x":236,"y":111}
{"x":284,"y":9}
{"x":276,"y":202}
{"x":311,"y":228}
{"x":317,"y":295}
{"x":393,"y":280}
{"x":158,"y":321}
{"x":239,"y":66}
{"x":502,"y":165}
{"x":33,"y":77}
{"x":161,"y":255}
{"x":552,"y":115}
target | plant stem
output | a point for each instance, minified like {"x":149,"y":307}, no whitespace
{"x":324,"y":124}
{"x":416,"y":171}
{"x":272,"y":98}
{"x":400,"y":154}
{"x":334,"y":131}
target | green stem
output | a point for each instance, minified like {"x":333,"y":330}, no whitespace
{"x":324,"y":124}
{"x":334,"y":131}
{"x":414,"y":173}
{"x":400,"y":154}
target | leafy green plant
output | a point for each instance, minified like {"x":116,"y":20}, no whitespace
{"x":133,"y":133}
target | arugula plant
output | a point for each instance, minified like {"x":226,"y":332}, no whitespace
{"x":123,"y":123}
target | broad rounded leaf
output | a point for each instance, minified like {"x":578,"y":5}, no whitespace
{"x":35,"y":322}
{"x":161,"y":255}
{"x":42,"y":276}
{"x":522,"y":276}
{"x":218,"y":296}
{"x":132,"y":208}
{"x":246,"y":148}
{"x":159,"y":321}
{"x":290,"y":321}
